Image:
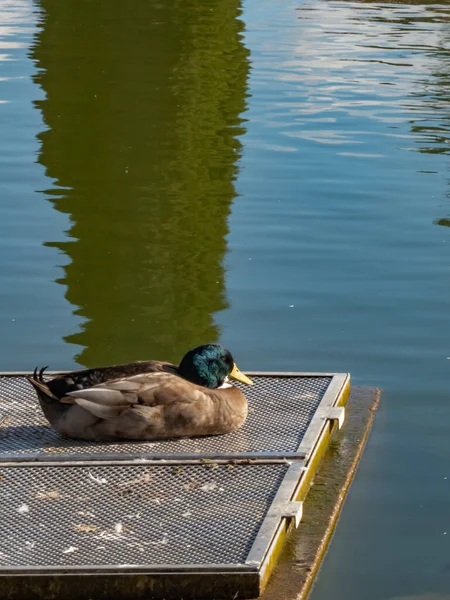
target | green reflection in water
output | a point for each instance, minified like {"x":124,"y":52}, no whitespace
{"x":143,"y":105}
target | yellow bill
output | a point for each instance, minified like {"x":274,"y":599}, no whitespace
{"x":238,"y":376}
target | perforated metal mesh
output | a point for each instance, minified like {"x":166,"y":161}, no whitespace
{"x":283,"y":406}
{"x":141,"y":515}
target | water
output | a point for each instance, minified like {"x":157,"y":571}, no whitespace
{"x":272,"y":175}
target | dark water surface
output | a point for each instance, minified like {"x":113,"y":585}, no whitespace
{"x":278,"y":179}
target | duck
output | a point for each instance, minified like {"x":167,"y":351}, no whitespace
{"x":147,"y":400}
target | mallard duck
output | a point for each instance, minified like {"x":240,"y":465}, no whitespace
{"x":147,"y":400}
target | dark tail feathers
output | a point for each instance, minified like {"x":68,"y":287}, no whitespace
{"x":39,"y":375}
{"x":39,"y":384}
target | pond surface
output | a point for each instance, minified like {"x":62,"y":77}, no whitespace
{"x":272,"y":175}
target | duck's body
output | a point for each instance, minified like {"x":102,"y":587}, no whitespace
{"x":147,"y":400}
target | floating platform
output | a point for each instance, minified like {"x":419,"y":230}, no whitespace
{"x":190,"y":518}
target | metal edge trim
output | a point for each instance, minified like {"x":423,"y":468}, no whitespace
{"x":337,"y":393}
{"x":95,"y":460}
{"x":302,"y":489}
{"x":291,"y":374}
{"x":28,"y":373}
{"x":128,"y":569}
{"x":263,"y":540}
{"x":329,"y":400}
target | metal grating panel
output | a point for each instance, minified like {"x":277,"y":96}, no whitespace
{"x":112,"y":509}
{"x":283,"y":406}
{"x":56,"y":516}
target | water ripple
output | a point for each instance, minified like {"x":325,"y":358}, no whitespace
{"x":391,"y":67}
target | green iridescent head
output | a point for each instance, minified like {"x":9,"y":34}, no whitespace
{"x":210,"y":365}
